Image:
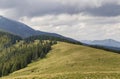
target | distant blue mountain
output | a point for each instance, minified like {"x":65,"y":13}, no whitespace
{"x":107,"y":42}
{"x":23,"y":30}
{"x":15,"y":27}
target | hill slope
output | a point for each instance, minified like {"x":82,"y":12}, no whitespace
{"x":15,"y":27}
{"x":7,"y":39}
{"x":69,"y":61}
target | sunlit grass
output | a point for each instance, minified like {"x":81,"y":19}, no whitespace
{"x":69,"y":61}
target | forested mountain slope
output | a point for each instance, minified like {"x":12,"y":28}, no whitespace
{"x":23,"y":30}
{"x":16,"y":53}
{"x":7,"y":39}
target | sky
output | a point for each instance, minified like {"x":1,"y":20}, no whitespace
{"x":78,"y":19}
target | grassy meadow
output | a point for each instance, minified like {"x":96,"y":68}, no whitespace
{"x":70,"y":61}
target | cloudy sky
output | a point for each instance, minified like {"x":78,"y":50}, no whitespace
{"x":79,"y":19}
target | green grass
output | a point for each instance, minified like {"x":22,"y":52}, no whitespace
{"x":69,"y":61}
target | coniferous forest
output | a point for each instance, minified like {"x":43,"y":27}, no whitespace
{"x":17,"y":53}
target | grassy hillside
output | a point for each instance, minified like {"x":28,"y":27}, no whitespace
{"x":69,"y":61}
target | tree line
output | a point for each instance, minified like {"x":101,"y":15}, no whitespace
{"x":16,"y":53}
{"x":21,"y":54}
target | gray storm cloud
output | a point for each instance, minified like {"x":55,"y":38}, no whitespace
{"x":79,"y":19}
{"x":33,"y":8}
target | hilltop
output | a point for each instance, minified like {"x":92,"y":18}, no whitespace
{"x":70,"y":61}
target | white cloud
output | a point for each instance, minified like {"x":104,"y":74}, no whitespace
{"x":78,"y":26}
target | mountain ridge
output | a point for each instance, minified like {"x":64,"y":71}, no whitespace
{"x":23,"y":30}
{"x":15,"y":27}
{"x":105,"y":42}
